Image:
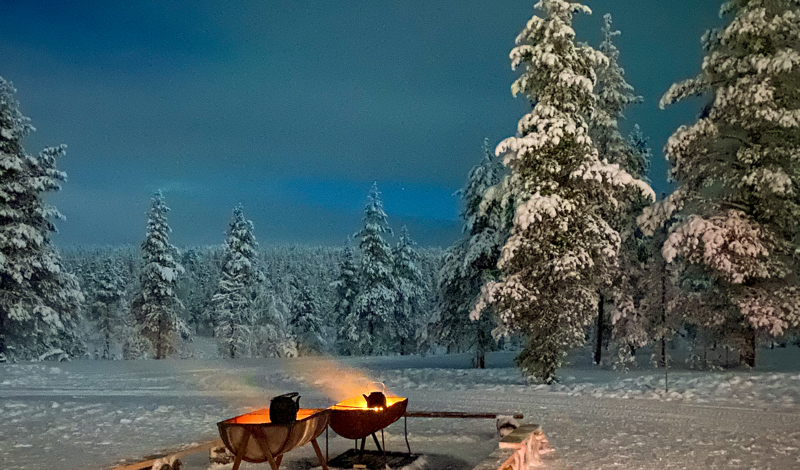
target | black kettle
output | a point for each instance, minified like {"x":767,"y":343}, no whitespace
{"x":283,"y":408}
{"x":376,"y":400}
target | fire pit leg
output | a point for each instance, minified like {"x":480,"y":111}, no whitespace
{"x":363,"y":441}
{"x":322,"y":462}
{"x":375,"y":438}
{"x":272,"y":462}
{"x":405,"y":425}
{"x":265,"y":449}
{"x":240,"y":452}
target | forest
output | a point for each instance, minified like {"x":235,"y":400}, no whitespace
{"x":564,"y":242}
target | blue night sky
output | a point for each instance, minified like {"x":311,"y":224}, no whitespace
{"x":294,"y":108}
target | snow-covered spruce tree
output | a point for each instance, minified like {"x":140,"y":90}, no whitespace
{"x":305,"y":320}
{"x":408,"y":314}
{"x":470,"y":263}
{"x":614,"y":95}
{"x":346,"y":287}
{"x":738,"y":170}
{"x":39,"y":300}
{"x":233,"y":313}
{"x":371,"y":321}
{"x":155,"y":306}
{"x":105,"y":292}
{"x":561,"y":249}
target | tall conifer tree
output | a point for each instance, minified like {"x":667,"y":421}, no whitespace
{"x":562,"y":248}
{"x":155,"y":306}
{"x":346,"y":287}
{"x":738,"y":173}
{"x":614,"y":94}
{"x":234,"y":317}
{"x":410,"y":293}
{"x":472,"y":262}
{"x":39,"y":300}
{"x":372,"y":318}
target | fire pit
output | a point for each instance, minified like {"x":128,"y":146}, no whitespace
{"x":254,"y":438}
{"x":352,"y":419}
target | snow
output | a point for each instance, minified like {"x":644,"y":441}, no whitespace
{"x":90,"y":414}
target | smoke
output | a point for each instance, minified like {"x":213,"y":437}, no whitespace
{"x":336,"y":380}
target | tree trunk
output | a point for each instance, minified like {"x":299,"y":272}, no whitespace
{"x":749,"y":350}
{"x":598,"y":348}
{"x":160,"y":340}
{"x":2,"y":334}
{"x":480,"y":361}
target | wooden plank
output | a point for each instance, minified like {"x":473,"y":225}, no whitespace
{"x":455,"y":414}
{"x":170,"y":454}
{"x":518,"y":435}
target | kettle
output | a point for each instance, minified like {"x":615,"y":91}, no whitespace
{"x":283,"y":408}
{"x":376,"y":400}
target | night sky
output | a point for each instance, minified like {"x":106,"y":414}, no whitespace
{"x":293,"y":108}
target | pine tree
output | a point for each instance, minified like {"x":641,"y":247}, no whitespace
{"x":614,"y":94}
{"x":738,"y":173}
{"x":346,"y":287}
{"x":305,"y":322}
{"x":155,"y":306}
{"x":408,"y":313}
{"x":471,"y":262}
{"x":372,"y":319}
{"x":233,"y":314}
{"x":39,"y":300}
{"x":561,"y":249}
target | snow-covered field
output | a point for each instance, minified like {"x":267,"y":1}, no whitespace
{"x":92,"y":414}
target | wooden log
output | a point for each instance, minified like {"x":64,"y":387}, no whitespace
{"x":456,"y":414}
{"x":172,"y":454}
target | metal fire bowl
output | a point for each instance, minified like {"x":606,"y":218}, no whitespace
{"x":255,"y":433}
{"x":352,"y":419}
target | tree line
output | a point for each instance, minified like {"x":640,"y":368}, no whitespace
{"x":564,"y":241}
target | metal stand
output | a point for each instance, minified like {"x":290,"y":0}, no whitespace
{"x":405,"y":426}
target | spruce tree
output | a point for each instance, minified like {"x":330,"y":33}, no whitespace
{"x":39,"y":300}
{"x":234,"y":317}
{"x":346,"y":288}
{"x":738,"y":173}
{"x":410,"y":293}
{"x":470,"y":263}
{"x":561,"y":249}
{"x":155,"y":306}
{"x":372,"y":318}
{"x":613,"y":95}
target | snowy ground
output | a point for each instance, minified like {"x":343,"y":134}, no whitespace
{"x":92,"y":414}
